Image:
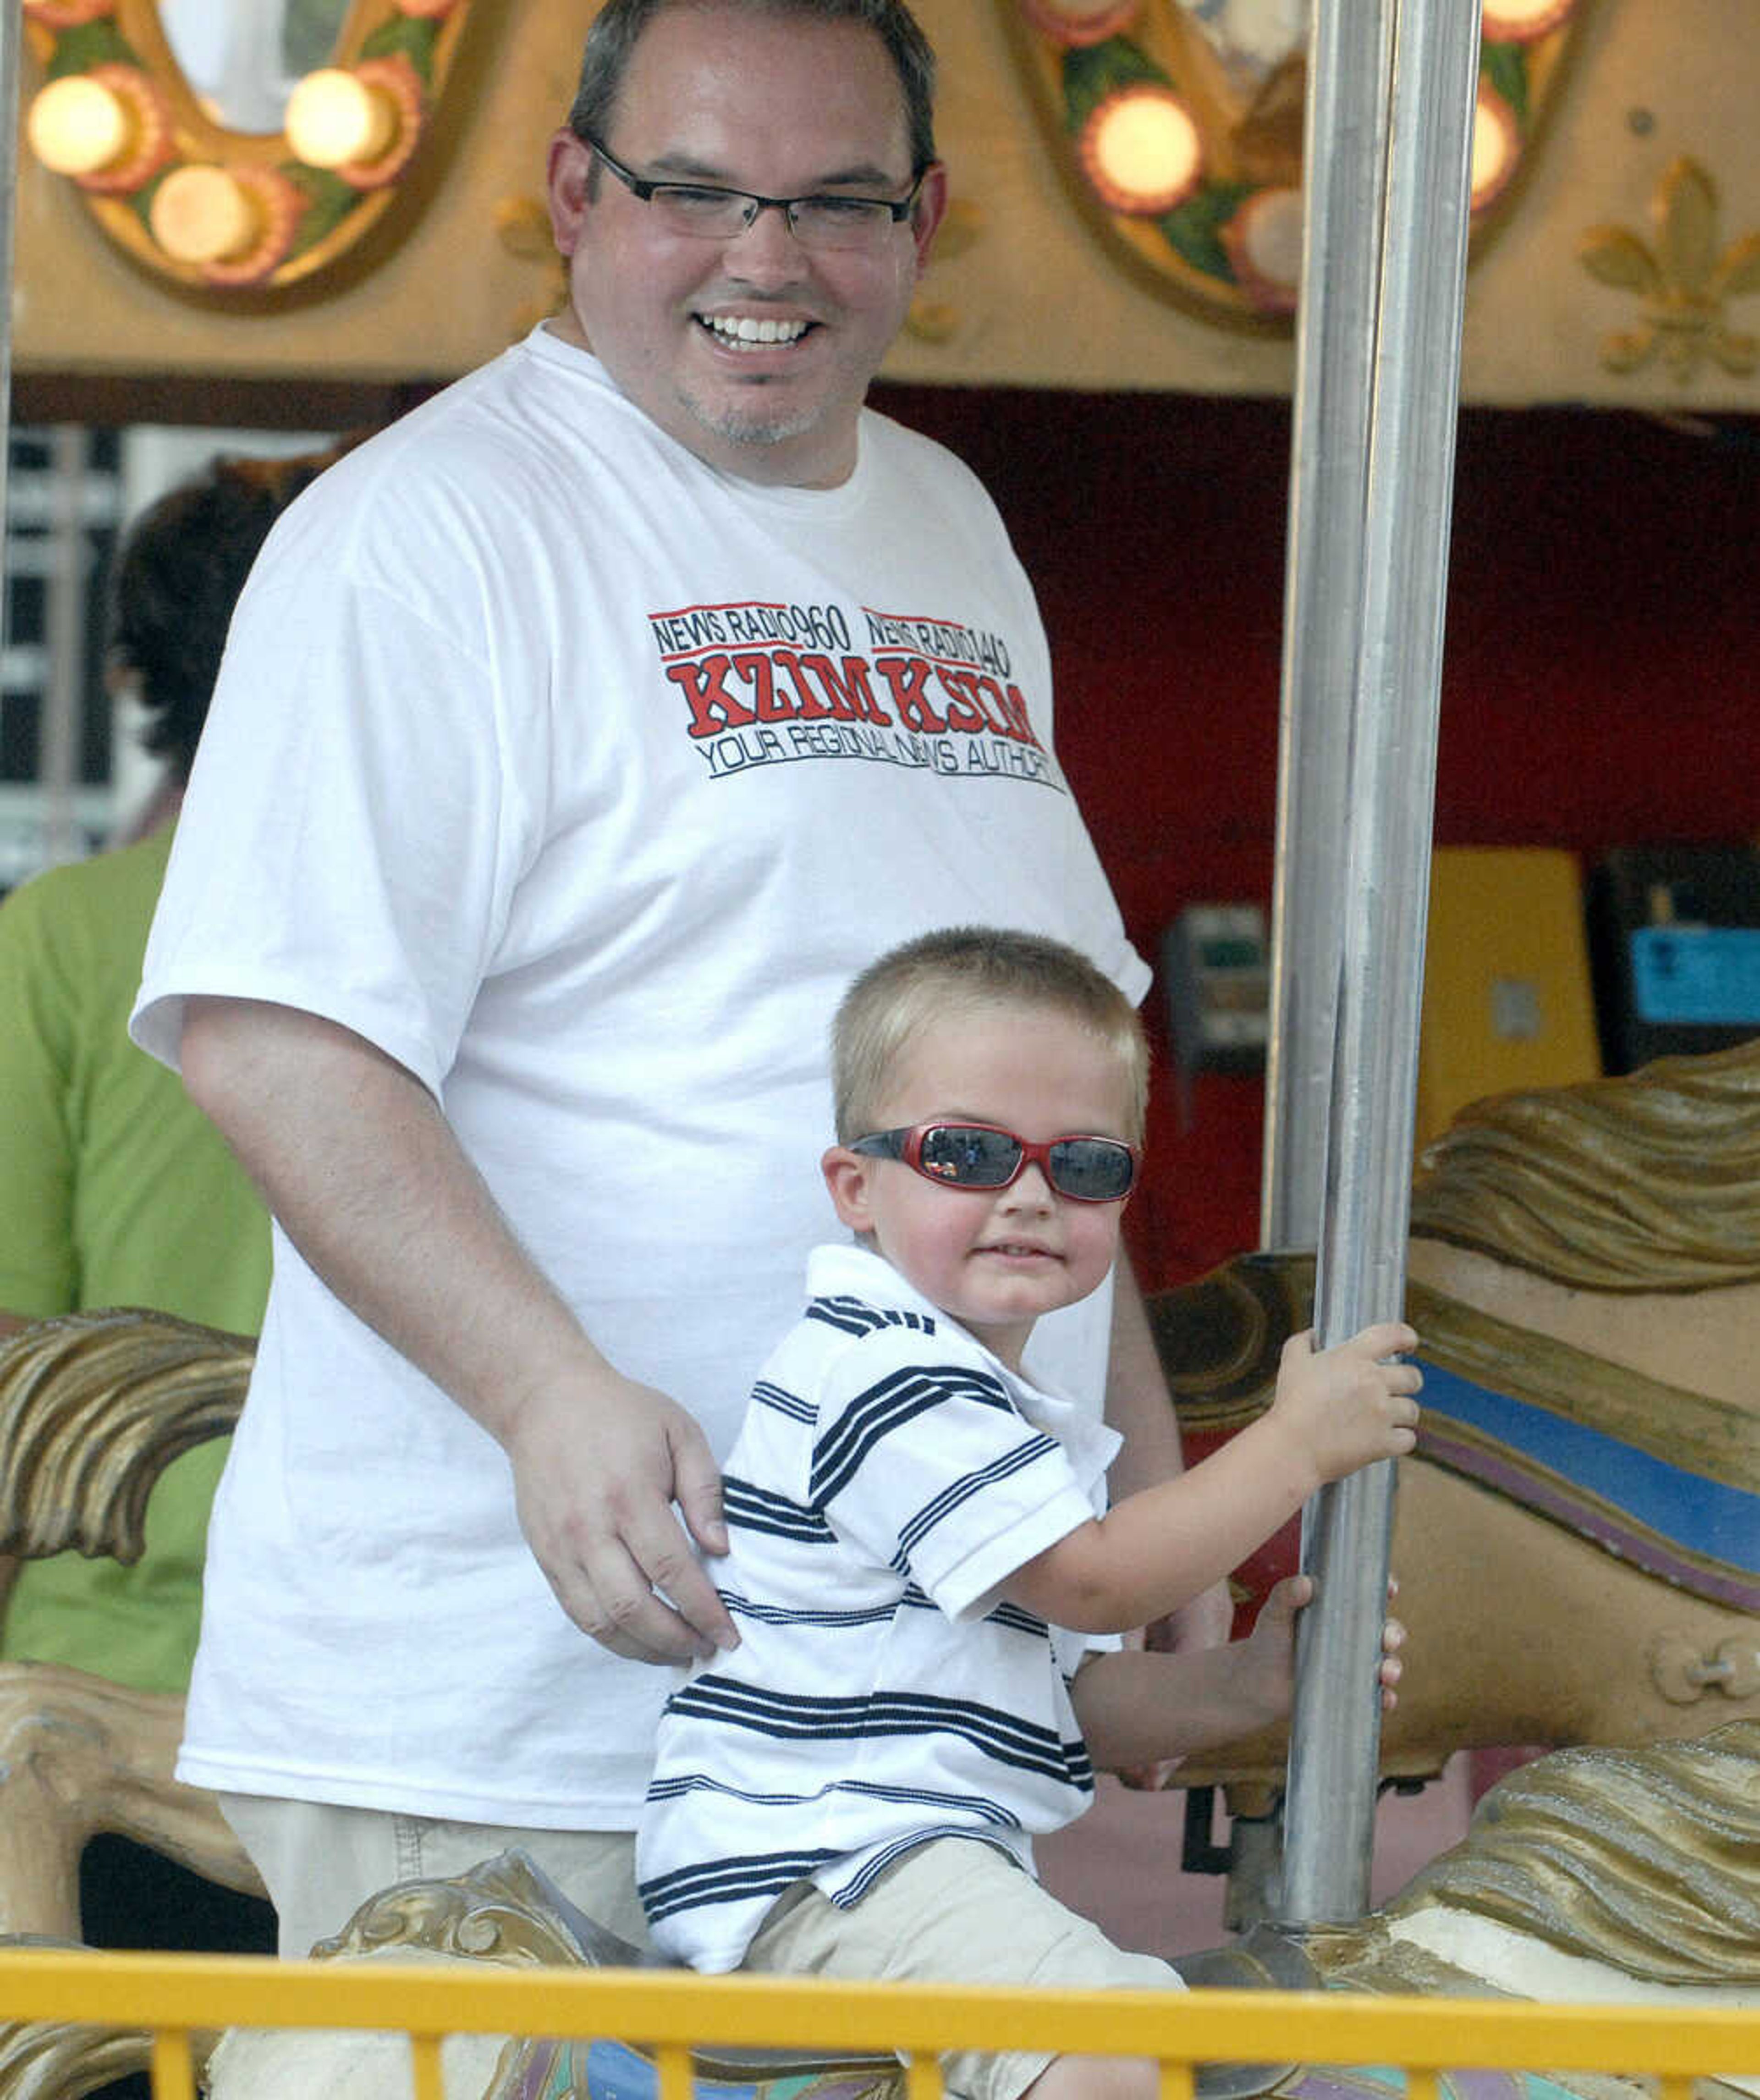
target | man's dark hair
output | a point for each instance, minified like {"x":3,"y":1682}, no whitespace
{"x":611,"y":43}
{"x":181,"y":567}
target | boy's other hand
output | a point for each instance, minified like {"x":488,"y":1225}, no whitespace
{"x":1267,"y":1656}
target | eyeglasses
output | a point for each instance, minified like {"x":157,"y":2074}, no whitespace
{"x":703,"y":211}
{"x":981,"y":1155}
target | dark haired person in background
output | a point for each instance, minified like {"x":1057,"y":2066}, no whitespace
{"x":114,"y":1190}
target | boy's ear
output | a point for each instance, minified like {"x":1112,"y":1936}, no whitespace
{"x":846,"y":1177}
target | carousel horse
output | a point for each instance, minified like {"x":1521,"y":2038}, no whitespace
{"x":1578,"y":1534}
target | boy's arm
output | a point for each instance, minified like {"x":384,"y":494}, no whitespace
{"x":1136,"y":1708}
{"x":1140,"y":1407}
{"x":1334,"y":1412}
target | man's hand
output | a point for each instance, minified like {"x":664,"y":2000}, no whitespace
{"x":368,"y":1180}
{"x":595,"y":1475}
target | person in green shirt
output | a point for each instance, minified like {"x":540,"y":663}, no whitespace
{"x":114,"y":1189}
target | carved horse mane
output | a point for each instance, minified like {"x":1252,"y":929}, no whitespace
{"x":1642,"y":1858}
{"x":1637,"y":1862}
{"x":1649,"y":1182}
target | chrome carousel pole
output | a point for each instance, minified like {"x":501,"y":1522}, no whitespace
{"x":1390,"y":774}
{"x":1344,"y":168}
{"x":1345,"y":154}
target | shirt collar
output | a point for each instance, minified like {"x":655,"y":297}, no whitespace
{"x":846,"y":1269}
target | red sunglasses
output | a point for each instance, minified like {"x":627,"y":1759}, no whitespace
{"x":983,"y":1155}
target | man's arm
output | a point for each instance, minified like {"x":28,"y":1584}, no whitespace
{"x":355,"y":1160}
{"x":1140,"y":1407}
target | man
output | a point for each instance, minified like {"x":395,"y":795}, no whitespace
{"x":575,"y":748}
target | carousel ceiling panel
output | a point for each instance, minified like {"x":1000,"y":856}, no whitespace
{"x":1124,"y":174}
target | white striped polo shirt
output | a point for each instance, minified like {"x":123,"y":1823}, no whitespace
{"x":890,"y":1475}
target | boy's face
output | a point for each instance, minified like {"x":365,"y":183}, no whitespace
{"x":992,"y":1258}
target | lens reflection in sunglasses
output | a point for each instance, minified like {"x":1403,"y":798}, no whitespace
{"x":1089,"y":1170}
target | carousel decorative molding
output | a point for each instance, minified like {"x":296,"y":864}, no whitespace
{"x":1179,"y":123}
{"x":217,"y":208}
{"x":1684,"y":284}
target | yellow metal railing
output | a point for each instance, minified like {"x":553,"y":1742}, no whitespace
{"x":174,"y":1996}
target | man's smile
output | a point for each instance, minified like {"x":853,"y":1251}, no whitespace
{"x":751,"y":332}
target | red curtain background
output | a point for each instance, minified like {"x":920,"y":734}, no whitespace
{"x":1599,"y":687}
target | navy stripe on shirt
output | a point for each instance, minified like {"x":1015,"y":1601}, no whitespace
{"x":748,"y":1508}
{"x":783,"y":1614}
{"x":960,"y":1491}
{"x":851,"y":1316}
{"x":888,"y":1404}
{"x":1003,"y":1737}
{"x":923,"y":1797}
{"x":784,"y":1402}
{"x":738,"y":1879}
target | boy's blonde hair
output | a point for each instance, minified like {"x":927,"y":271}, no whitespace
{"x":970,"y":969}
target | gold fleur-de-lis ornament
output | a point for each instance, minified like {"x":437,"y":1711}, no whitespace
{"x":1684,"y":283}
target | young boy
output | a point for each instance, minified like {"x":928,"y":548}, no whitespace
{"x":919,"y":1539}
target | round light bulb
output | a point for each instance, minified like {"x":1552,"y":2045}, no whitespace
{"x":200,"y":215}
{"x":1078,"y":22}
{"x":1523,"y":21}
{"x":78,"y":126}
{"x":334,"y":119}
{"x":1496,"y":145}
{"x":1142,"y":150}
{"x":1264,"y":243}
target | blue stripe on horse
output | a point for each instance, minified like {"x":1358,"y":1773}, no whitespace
{"x":1702,"y":1516}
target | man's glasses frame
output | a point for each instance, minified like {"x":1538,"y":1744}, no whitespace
{"x":934,"y":1150}
{"x":712,"y":211}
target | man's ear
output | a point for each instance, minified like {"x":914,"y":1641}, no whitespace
{"x":846,"y":1177}
{"x":931,"y":208}
{"x":570,"y":164}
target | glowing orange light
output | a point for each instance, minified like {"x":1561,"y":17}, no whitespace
{"x":78,"y":126}
{"x":1077,"y":22}
{"x":201,"y":214}
{"x":1521,"y":21}
{"x":1141,"y":150}
{"x":334,"y":116}
{"x":1497,"y":146}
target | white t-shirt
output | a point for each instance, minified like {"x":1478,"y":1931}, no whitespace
{"x":579,"y":778}
{"x":890,"y":1476}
